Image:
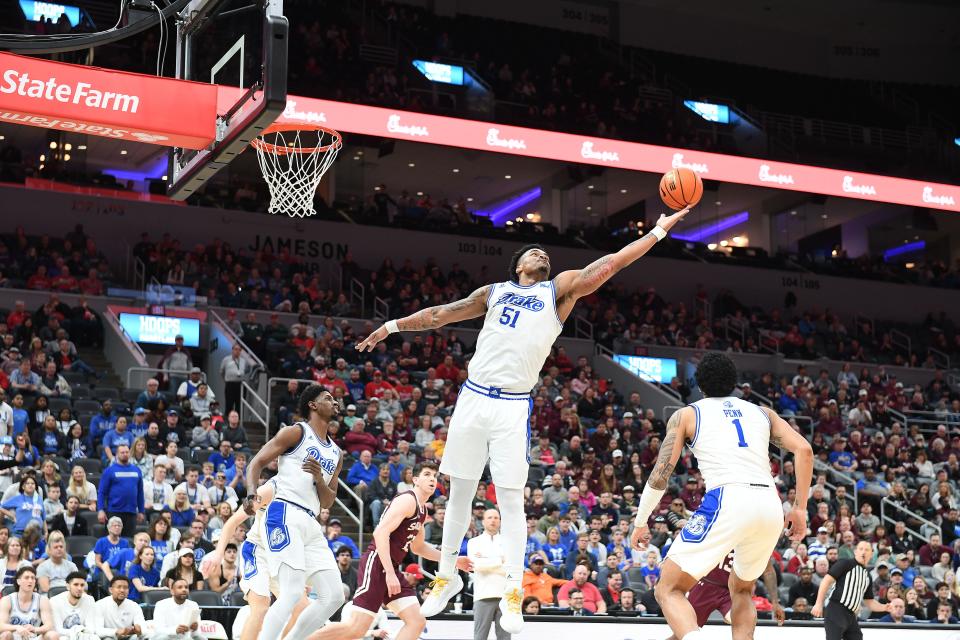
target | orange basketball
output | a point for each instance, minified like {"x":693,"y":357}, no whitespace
{"x":680,"y":188}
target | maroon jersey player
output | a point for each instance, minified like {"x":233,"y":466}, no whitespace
{"x":712,"y":593}
{"x":399,"y":532}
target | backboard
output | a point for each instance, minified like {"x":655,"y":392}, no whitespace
{"x":240,"y":45}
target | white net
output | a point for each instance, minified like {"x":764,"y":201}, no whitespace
{"x":293,"y":163}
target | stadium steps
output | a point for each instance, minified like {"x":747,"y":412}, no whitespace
{"x":96,"y":359}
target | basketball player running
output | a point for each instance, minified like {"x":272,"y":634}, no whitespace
{"x":491,"y":421}
{"x":400,"y":530}
{"x":297,"y":551}
{"x":256,"y":584}
{"x":712,"y":593}
{"x":741,"y":510}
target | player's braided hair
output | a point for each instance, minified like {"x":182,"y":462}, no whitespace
{"x":716,"y":375}
{"x":514,"y":277}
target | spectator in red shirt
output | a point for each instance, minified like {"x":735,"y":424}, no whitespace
{"x":16,"y":317}
{"x":592,"y":598}
{"x":91,"y":285}
{"x":357,"y":440}
{"x":376,"y":387}
{"x":301,"y":339}
{"x":39,"y":281}
{"x":329,"y":380}
{"x":563,"y":362}
{"x":65,"y":282}
{"x":448,"y":370}
{"x":404,"y":389}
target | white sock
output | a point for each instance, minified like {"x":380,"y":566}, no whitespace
{"x":694,"y":635}
{"x":455,"y":523}
{"x":513,"y":533}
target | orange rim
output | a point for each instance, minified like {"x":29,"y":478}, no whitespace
{"x":263,"y":145}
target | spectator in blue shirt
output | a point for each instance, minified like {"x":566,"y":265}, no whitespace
{"x":182,"y":514}
{"x":103,"y":422}
{"x":121,"y":492}
{"x":25,"y":507}
{"x":396,"y":467}
{"x":23,"y":380}
{"x":20,"y":416}
{"x":108,"y":550}
{"x":144,"y":574}
{"x":568,"y":535}
{"x":150,"y":394}
{"x":841,"y":459}
{"x":336,"y":539}
{"x":789,"y":403}
{"x":363,"y":473}
{"x":26,"y":453}
{"x":223,"y":459}
{"x":356,"y":386}
{"x":113,"y":439}
{"x":555,"y":549}
{"x":49,"y":437}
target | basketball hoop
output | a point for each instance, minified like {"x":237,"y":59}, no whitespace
{"x":293,"y":159}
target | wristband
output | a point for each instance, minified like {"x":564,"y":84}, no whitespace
{"x":658,"y":232}
{"x":391,"y":326}
{"x":649,"y":500}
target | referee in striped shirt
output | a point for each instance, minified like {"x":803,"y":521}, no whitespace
{"x":853,"y":590}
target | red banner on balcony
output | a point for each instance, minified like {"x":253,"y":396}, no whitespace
{"x":101,"y":102}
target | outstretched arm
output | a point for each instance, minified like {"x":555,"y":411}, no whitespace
{"x":473,"y":306}
{"x":782,"y":435}
{"x":670,"y":450}
{"x":575,"y":284}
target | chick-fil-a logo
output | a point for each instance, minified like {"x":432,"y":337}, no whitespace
{"x":394,"y":126}
{"x":765,"y":175}
{"x":494,"y":140}
{"x":930,"y":197}
{"x":587,"y":151}
{"x":678,"y":163}
{"x":290,"y":111}
{"x":863,"y":189}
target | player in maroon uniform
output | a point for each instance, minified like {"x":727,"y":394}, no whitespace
{"x":712,"y":593}
{"x":400,"y":530}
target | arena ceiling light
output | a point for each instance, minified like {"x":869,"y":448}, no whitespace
{"x":909,"y":247}
{"x":437,"y":72}
{"x":710,"y":112}
{"x":714,"y":228}
{"x":499,"y":213}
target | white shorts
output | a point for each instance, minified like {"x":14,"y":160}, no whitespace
{"x":255,"y":575}
{"x":747,"y":520}
{"x":295,"y":539}
{"x":489,"y":428}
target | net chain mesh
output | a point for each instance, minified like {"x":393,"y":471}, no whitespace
{"x":293,"y":177}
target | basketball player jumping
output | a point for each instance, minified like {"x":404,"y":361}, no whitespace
{"x":400,"y":530}
{"x":297,"y":552}
{"x":741,"y":510}
{"x":491,"y":421}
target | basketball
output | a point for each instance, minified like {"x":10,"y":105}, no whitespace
{"x":680,"y":188}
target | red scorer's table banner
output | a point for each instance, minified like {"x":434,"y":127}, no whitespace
{"x":102,"y":102}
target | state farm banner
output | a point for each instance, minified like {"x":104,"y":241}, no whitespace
{"x":521,"y":141}
{"x":102,"y":102}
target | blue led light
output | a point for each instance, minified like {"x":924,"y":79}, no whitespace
{"x":708,"y":111}
{"x":437,"y":72}
{"x":37,"y":11}
{"x":714,"y":228}
{"x":910,"y":247}
{"x":500,"y":213}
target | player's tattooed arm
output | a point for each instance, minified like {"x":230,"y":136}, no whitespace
{"x":472,"y":306}
{"x":669,"y":453}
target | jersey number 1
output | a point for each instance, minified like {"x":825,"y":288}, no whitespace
{"x":736,"y":423}
{"x":509,"y":317}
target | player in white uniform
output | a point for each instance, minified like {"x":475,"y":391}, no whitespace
{"x":491,"y":422}
{"x":297,"y":553}
{"x":25,"y":613}
{"x":741,"y":510}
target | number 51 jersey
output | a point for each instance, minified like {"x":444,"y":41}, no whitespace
{"x":731,"y":442}
{"x":519,"y":328}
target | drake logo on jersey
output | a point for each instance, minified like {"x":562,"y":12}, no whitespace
{"x":328,"y":465}
{"x":533,"y":303}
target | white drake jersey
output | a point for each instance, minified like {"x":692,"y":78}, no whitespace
{"x":731,"y":442}
{"x":293,"y":484}
{"x":519,"y":328}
